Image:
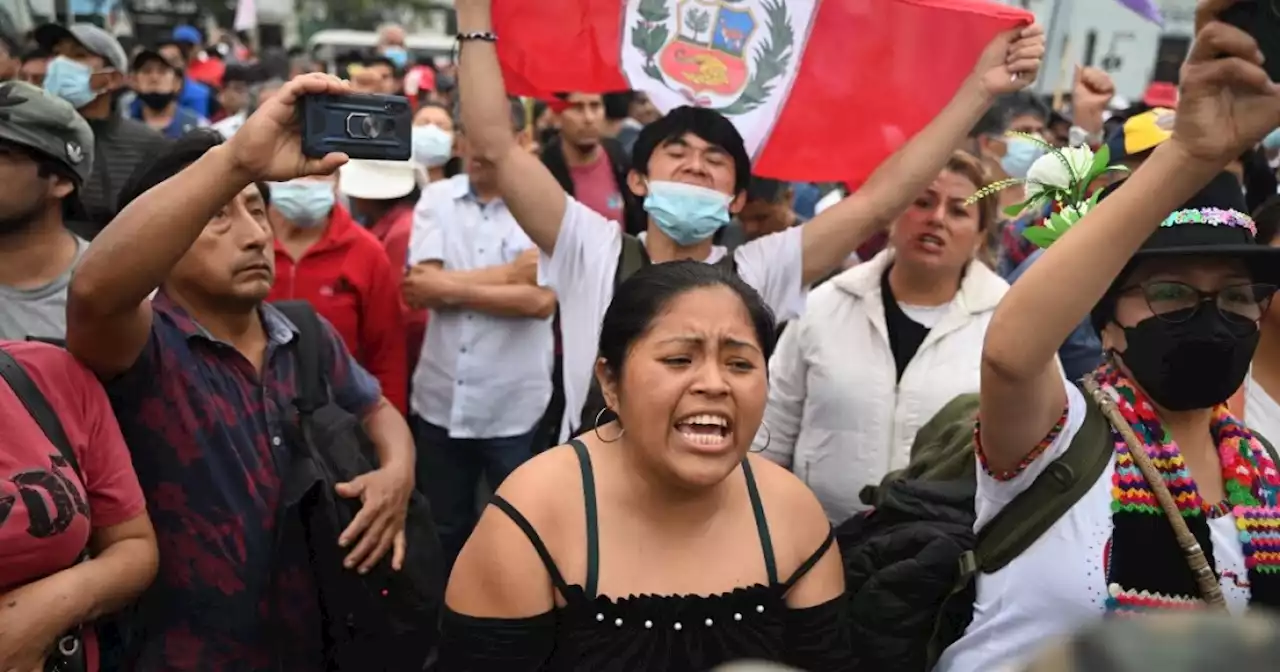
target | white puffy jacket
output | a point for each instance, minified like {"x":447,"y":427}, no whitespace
{"x":837,"y":415}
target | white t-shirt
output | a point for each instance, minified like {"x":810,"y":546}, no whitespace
{"x":1059,"y":585}
{"x":1261,"y":412}
{"x":581,"y":273}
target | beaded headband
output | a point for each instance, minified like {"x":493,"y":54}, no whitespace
{"x":1212,"y":217}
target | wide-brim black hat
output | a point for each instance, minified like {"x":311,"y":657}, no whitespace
{"x":1213,"y":223}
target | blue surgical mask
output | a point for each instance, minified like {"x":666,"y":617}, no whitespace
{"x":396,"y":55}
{"x":1019,"y":154}
{"x":305,"y":203}
{"x":1272,"y":142}
{"x":688,"y":214}
{"x":432,"y":145}
{"x":69,"y":80}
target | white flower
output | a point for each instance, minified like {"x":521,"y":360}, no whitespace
{"x":1051,"y":172}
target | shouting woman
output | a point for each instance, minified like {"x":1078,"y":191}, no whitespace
{"x":665,"y":547}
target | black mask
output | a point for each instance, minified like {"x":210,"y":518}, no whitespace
{"x":1189,"y":365}
{"x":156,"y":101}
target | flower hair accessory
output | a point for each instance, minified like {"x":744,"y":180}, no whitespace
{"x":1213,"y":217}
{"x":1060,"y":178}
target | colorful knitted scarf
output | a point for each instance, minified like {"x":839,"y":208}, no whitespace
{"x":1146,"y":569}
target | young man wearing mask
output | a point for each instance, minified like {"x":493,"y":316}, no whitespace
{"x":194,"y":95}
{"x":46,"y":154}
{"x":203,"y":379}
{"x":692,"y":169}
{"x":88,"y":70}
{"x":156,"y":83}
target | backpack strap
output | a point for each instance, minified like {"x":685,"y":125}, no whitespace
{"x":631,"y":258}
{"x":312,"y":392}
{"x":1036,"y":509}
{"x":38,"y":406}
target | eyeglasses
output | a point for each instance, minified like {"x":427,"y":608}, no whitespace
{"x":1177,"y":302}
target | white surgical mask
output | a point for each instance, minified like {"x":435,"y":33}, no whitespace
{"x":432,"y":145}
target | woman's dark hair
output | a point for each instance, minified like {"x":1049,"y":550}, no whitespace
{"x":638,"y":302}
{"x":709,"y":125}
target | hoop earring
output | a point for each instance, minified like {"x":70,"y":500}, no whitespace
{"x":596,"y":429}
{"x":768,"y":439}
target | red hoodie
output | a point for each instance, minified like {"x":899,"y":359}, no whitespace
{"x":394,"y":229}
{"x":347,"y":277}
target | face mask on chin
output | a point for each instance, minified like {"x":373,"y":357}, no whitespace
{"x":306,"y":204}
{"x":1195,"y":364}
{"x":686,"y":213}
{"x":156,"y":101}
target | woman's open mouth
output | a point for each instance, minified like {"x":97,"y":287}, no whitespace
{"x":705,"y":429}
{"x":930,"y":242}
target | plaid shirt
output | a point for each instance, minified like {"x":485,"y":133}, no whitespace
{"x":205,"y":429}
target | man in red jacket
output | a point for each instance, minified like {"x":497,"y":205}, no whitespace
{"x":323,"y":256}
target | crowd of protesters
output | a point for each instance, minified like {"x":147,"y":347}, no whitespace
{"x":572,"y":389}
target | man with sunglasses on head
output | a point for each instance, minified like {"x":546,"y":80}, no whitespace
{"x":89,"y":68}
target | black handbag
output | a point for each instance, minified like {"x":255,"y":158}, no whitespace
{"x":68,"y":655}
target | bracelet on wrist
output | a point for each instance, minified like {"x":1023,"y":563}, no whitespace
{"x":472,"y":36}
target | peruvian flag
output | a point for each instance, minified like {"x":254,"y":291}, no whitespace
{"x":821,"y":90}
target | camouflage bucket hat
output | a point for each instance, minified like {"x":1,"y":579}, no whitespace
{"x":49,"y":125}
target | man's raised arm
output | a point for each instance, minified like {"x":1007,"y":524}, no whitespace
{"x":108,"y":313}
{"x":529,"y":190}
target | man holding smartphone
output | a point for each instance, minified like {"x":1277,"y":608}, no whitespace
{"x":203,"y":375}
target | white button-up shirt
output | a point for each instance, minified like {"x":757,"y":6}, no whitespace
{"x":480,"y":376}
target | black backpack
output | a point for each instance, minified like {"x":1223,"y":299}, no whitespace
{"x":910,"y":563}
{"x":385,"y":621}
{"x":631,"y":259}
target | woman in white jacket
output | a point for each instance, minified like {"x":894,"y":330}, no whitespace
{"x":884,"y":345}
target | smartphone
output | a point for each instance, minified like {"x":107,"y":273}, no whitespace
{"x":362,"y":126}
{"x":1261,"y":19}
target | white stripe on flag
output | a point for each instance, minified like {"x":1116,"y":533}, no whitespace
{"x":739,"y":59}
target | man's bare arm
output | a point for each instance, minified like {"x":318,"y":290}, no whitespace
{"x":530,"y":191}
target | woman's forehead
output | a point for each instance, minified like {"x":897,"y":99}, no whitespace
{"x":705,"y":314}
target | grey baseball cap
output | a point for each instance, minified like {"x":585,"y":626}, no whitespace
{"x":90,"y":37}
{"x":47,"y":124}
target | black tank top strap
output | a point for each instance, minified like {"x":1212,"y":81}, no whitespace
{"x":762,"y":525}
{"x":525,"y":526}
{"x":593,"y":526}
{"x":812,"y":560}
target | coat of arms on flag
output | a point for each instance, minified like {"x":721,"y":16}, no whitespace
{"x":737,"y":57}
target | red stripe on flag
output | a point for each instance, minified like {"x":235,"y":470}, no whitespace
{"x":558,"y":46}
{"x":874,"y":73}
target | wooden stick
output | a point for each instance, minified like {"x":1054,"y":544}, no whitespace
{"x":1206,"y":580}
